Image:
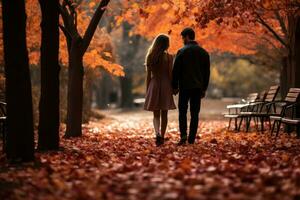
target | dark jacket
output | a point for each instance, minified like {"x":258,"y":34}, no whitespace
{"x":191,"y":68}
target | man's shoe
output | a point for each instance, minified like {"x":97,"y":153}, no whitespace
{"x":158,"y":140}
{"x":191,"y":141}
{"x":181,"y":142}
{"x":162,"y":140}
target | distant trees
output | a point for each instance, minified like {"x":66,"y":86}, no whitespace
{"x":236,"y":77}
{"x":126,"y":53}
{"x":20,"y":137}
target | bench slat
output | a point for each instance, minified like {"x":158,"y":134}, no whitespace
{"x":274,"y":87}
{"x":231,"y":116}
{"x":237,"y":106}
{"x":290,"y":121}
{"x":289,"y":99}
{"x":294,"y":90}
{"x":294,"y":94}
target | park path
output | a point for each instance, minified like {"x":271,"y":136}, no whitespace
{"x":116,"y":159}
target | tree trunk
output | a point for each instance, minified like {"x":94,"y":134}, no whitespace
{"x":294,"y":52}
{"x":20,"y":136}
{"x":297,"y":53}
{"x":48,"y":130}
{"x":75,"y":90}
{"x":77,"y":47}
{"x":293,"y":64}
{"x":131,"y":43}
{"x":102,"y":90}
{"x":283,"y":78}
{"x":126,"y":87}
{"x":88,"y":95}
{"x":297,"y":58}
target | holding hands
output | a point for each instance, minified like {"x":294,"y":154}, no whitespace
{"x":203,"y":94}
{"x":175,"y":91}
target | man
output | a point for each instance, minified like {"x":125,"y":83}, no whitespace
{"x":191,"y":73}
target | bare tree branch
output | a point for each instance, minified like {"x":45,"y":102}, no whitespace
{"x":65,"y":15}
{"x":269,"y":28}
{"x":257,"y":37}
{"x":68,"y":19}
{"x":75,"y":19}
{"x":71,"y":7}
{"x":65,"y":31}
{"x":271,"y":43}
{"x":93,"y":24}
{"x":282,"y":24}
{"x":67,"y":35}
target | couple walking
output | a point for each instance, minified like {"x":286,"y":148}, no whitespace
{"x":188,"y":75}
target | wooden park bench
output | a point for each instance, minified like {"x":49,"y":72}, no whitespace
{"x":261,"y":111}
{"x":3,"y":123}
{"x":235,"y":109}
{"x":245,"y":110}
{"x":290,"y":103}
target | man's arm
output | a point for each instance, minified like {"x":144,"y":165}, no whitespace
{"x":206,"y":73}
{"x":176,"y":71}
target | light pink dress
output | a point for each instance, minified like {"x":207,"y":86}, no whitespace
{"x":159,"y":94}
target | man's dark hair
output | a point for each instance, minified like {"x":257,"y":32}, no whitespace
{"x":188,"y":32}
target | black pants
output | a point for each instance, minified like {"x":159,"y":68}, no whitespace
{"x":192,"y":96}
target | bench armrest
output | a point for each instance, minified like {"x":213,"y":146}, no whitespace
{"x":279,"y":103}
{"x":292,"y":105}
{"x":256,"y":103}
{"x":236,"y":106}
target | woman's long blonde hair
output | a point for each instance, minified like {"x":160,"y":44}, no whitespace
{"x":156,"y":51}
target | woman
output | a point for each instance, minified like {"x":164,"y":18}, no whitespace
{"x":159,"y":98}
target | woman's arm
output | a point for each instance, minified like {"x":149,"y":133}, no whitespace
{"x":171,"y":61}
{"x":148,"y":79}
{"x":176,"y":71}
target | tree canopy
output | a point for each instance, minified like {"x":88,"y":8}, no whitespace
{"x":221,"y":25}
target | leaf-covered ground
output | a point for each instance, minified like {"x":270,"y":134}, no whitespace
{"x":117,"y":159}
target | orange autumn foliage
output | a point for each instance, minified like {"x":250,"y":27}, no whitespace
{"x":101,"y":43}
{"x":221,"y":25}
{"x":95,"y":55}
{"x":33,"y":31}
